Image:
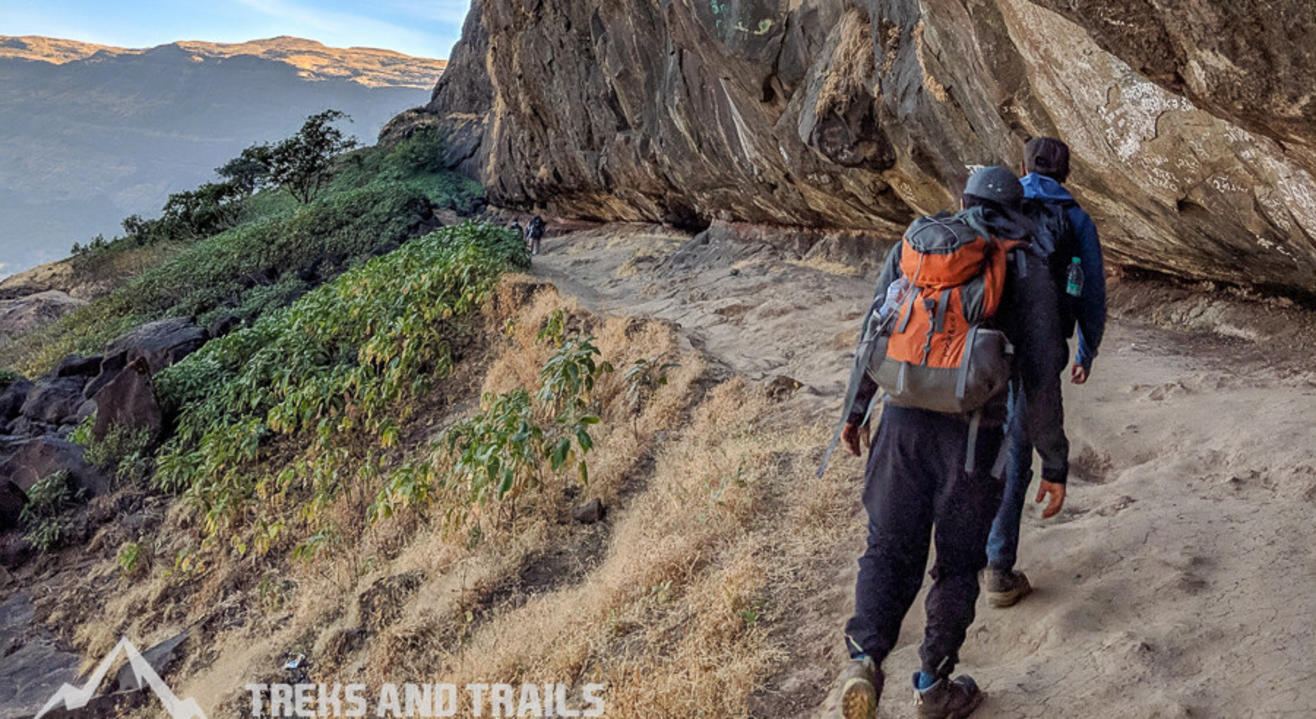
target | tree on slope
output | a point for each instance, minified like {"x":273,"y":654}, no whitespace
{"x":302,"y":164}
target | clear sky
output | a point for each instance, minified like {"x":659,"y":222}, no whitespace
{"x":426,"y":28}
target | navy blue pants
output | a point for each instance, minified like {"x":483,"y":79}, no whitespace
{"x":1003,"y":542}
{"x":917,"y":493}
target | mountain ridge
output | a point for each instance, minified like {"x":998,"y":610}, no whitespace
{"x":372,"y":67}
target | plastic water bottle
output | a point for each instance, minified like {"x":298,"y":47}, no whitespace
{"x":1074,"y":279}
{"x":895,"y":296}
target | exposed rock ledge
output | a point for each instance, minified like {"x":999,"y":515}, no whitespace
{"x":1192,"y":123}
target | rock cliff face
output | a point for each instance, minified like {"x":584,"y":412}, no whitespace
{"x":1192,"y":124}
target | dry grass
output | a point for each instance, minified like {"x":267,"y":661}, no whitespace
{"x":933,"y":86}
{"x":682,"y":601}
{"x":111,"y":270}
{"x":669,"y":620}
{"x":852,"y":65}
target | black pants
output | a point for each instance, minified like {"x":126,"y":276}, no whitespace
{"x":916,"y":486}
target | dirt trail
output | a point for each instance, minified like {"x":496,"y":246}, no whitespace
{"x":1180,"y":579}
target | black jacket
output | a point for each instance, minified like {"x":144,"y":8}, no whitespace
{"x":1029,"y":317}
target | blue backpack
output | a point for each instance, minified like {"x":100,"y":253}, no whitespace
{"x":1053,"y":235}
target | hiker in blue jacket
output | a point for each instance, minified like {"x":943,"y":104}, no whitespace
{"x":1046,"y":162}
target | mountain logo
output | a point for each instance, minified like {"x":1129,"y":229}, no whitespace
{"x":73,"y":698}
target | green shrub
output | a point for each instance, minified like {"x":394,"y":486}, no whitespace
{"x":421,"y":153}
{"x":187,"y":216}
{"x":318,"y":240}
{"x":48,"y":500}
{"x":343,"y":361}
{"x":502,"y":450}
{"x":260,"y":299}
{"x":267,"y":181}
{"x":416,"y":162}
{"x":643,"y":378}
{"x":129,"y":558}
{"x":8,"y":377}
{"x":81,"y":434}
{"x":124,"y":453}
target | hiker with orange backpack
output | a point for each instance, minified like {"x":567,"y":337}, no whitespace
{"x":979,"y":314}
{"x":1065,"y":233}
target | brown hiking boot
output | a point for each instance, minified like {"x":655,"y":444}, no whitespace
{"x":1005,"y":589}
{"x":948,"y":699}
{"x":861,"y":686}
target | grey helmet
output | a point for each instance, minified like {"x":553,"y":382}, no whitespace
{"x":996,"y":184}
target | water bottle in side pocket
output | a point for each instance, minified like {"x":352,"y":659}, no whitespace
{"x":1074,"y":279}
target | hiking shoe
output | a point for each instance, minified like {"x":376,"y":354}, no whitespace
{"x":861,"y":686}
{"x":1005,"y":589}
{"x":947,"y":699}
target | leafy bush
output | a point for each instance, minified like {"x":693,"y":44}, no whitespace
{"x":294,"y":172}
{"x":186,"y":216}
{"x":43,"y":516}
{"x":565,"y":384}
{"x":81,"y":434}
{"x":8,"y":377}
{"x":129,"y":559}
{"x":319,"y":241}
{"x":124,"y":453}
{"x":262,"y":298}
{"x":212,"y":207}
{"x":338,"y":364}
{"x":643,"y":378}
{"x":502,"y":450}
{"x":415,"y":161}
{"x":421,"y":153}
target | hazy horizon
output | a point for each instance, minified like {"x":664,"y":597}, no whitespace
{"x":206,"y":41}
{"x":421,"y":28}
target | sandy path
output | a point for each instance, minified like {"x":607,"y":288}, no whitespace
{"x":1179,"y":581}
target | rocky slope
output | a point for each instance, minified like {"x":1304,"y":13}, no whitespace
{"x":1194,"y":137}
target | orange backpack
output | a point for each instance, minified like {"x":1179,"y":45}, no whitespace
{"x":937,"y":351}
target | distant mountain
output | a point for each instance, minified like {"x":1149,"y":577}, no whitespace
{"x":90,"y":134}
{"x":368,"y":66}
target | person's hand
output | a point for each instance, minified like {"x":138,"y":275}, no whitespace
{"x":1078,"y":374}
{"x":852,"y":436}
{"x":1057,"y":494}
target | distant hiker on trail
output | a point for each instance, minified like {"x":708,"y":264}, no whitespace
{"x":534,"y":233}
{"x":957,"y":288}
{"x":1066,"y":233}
